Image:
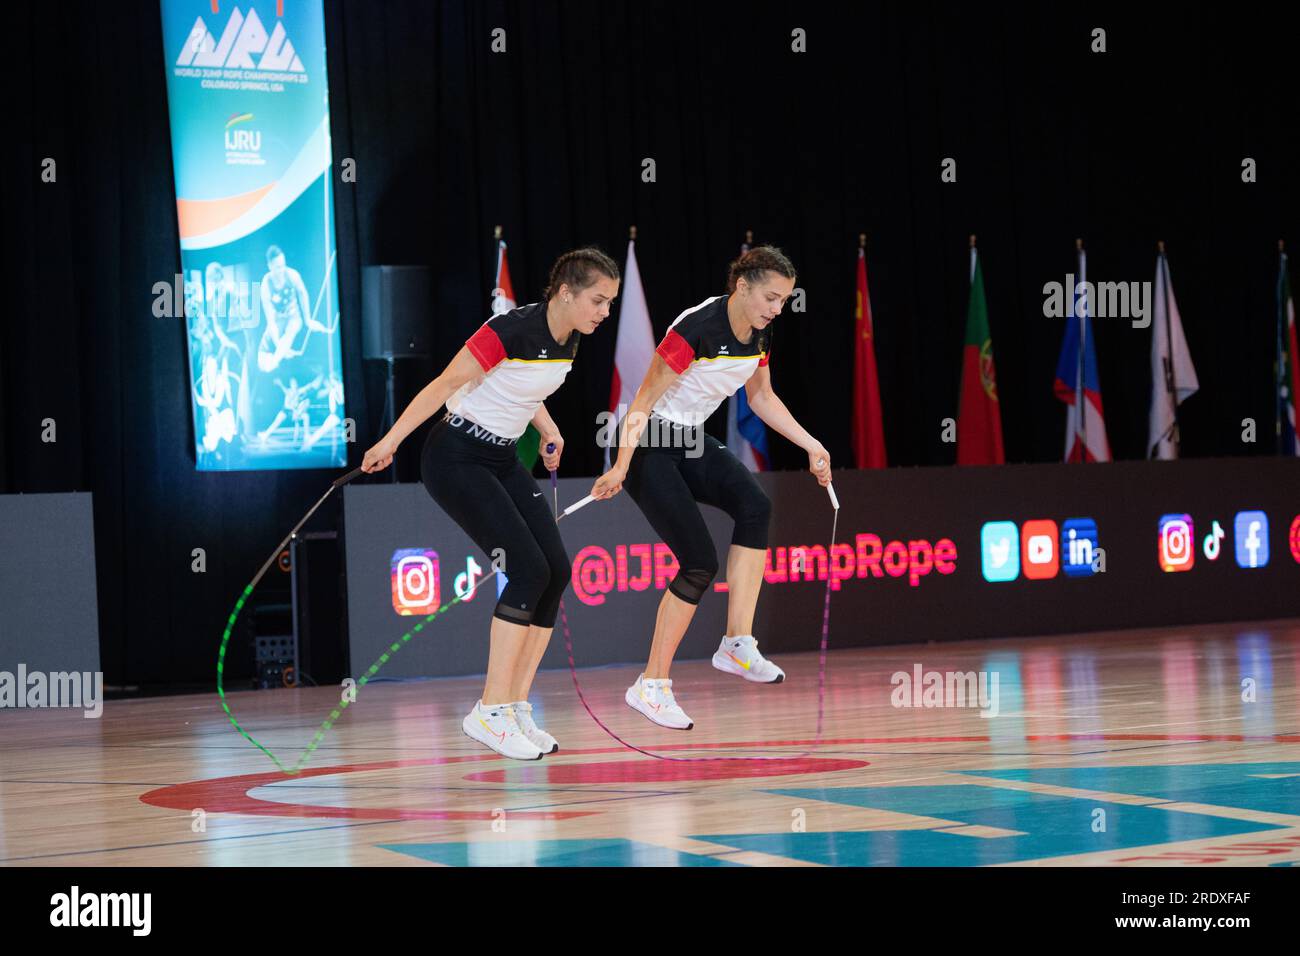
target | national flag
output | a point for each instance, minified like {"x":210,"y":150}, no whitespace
{"x":1077,"y":381}
{"x":1173,"y":378}
{"x":633,"y":348}
{"x":979,"y":419}
{"x":868,"y":424}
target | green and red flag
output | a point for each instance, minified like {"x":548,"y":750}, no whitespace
{"x":979,"y":419}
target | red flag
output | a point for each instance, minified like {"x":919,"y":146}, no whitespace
{"x":868,"y":428}
{"x":979,"y":420}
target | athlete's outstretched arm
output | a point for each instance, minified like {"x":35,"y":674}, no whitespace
{"x":432,"y":397}
{"x":657,"y":379}
{"x":767,"y":406}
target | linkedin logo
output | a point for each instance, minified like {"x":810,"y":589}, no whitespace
{"x":1079,"y":547}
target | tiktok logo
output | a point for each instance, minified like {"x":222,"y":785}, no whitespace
{"x":1211,"y":545}
{"x":467,"y":581}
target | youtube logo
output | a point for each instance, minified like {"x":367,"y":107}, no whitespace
{"x":1039,"y":557}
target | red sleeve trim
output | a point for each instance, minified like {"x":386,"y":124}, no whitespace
{"x":485,"y":345}
{"x":762,"y":360}
{"x":676,"y":351}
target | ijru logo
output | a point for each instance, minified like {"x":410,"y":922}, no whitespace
{"x":240,"y":41}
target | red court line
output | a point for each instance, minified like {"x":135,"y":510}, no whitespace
{"x":659,"y":771}
{"x":230,"y":794}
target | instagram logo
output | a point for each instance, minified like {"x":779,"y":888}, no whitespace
{"x":1177,"y":552}
{"x":415,"y":581}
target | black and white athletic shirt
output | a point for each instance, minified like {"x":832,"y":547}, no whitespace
{"x":522,"y":365}
{"x":710,"y":362}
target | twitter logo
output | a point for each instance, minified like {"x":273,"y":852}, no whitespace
{"x":1000,"y":550}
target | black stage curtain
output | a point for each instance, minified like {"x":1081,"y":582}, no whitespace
{"x":1052,"y":142}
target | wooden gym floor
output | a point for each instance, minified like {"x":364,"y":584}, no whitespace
{"x":1177,"y":746}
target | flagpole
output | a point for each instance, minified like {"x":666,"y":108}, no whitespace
{"x":1171,"y":381}
{"x":1081,"y":431}
{"x":496,"y":241}
{"x":1279,"y":409}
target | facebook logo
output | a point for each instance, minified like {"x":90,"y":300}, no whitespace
{"x":1251,"y":533}
{"x":1078,"y":546}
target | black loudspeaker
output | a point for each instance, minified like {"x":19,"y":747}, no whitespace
{"x":396,"y":302}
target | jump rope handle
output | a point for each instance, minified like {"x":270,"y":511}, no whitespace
{"x":346,"y":478}
{"x":830,"y":488}
{"x":578,"y":504}
{"x":555,"y":484}
{"x":550,"y":449}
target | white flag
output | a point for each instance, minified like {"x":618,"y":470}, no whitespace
{"x":1173,"y":378}
{"x":633,"y":348}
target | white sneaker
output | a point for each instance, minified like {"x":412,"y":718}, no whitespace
{"x":497,"y":727}
{"x":540,"y":738}
{"x":740,"y":656}
{"x":654,"y":698}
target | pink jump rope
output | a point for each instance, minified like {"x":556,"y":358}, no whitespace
{"x":821,"y":664}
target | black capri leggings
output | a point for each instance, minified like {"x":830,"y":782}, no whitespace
{"x":666,"y":480}
{"x":486,"y":490}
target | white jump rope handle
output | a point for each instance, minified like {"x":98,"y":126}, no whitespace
{"x":830,"y":489}
{"x":578,"y":504}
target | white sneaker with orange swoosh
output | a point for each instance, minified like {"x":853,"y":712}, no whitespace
{"x":739,"y":655}
{"x":497,"y":727}
{"x":654,"y":698}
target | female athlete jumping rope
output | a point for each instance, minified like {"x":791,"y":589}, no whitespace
{"x":709,"y":352}
{"x":493,"y":388}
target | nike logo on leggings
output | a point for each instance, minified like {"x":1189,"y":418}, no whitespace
{"x":537,"y":494}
